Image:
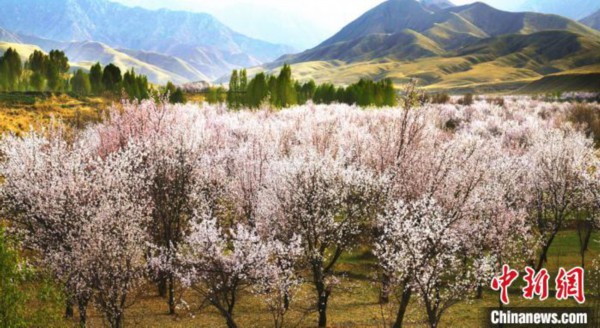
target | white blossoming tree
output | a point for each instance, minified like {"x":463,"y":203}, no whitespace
{"x":219,"y":263}
{"x":81,"y":213}
{"x":558,"y":162}
{"x":324,"y":202}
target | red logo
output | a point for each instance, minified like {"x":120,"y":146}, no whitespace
{"x":570,"y":284}
{"x":537,"y":284}
{"x":504,"y":281}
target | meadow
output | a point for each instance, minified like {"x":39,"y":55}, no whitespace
{"x":21,"y":111}
{"x":273,"y":217}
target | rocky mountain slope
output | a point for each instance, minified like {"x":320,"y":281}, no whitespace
{"x":159,"y":31}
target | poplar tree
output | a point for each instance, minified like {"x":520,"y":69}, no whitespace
{"x":130,"y":85}
{"x":111,"y":78}
{"x":37,"y":63}
{"x":243,"y":80}
{"x":234,"y":86}
{"x":11,"y":69}
{"x":80,"y":83}
{"x":58,"y":65}
{"x":286,"y":93}
{"x":258,"y":91}
{"x":96,"y":79}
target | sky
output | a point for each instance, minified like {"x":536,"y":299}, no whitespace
{"x":299,"y":23}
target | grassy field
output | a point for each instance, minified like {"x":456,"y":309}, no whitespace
{"x":354,"y":303}
{"x":20,"y":111}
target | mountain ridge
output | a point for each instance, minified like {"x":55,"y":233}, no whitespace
{"x":458,"y":47}
{"x":478,"y":19}
{"x":145,"y":30}
{"x":574,"y":9}
{"x":82,"y":54}
{"x":592,"y":20}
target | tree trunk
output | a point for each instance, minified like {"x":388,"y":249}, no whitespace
{"x":117,"y":321}
{"x":479,"y":292}
{"x":323,"y":311}
{"x":162,"y":286}
{"x":544,"y":255}
{"x":322,"y":305}
{"x":171,"y":295}
{"x":584,"y":231}
{"x":230,"y":322}
{"x":432,"y":318}
{"x":406,"y":294}
{"x":384,"y":295}
{"x":69,"y":308}
{"x":286,"y":301}
{"x":82,"y":306}
{"x":542,"y":259}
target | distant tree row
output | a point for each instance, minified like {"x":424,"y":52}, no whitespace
{"x":363,"y":93}
{"x":283,"y":91}
{"x":214,"y":95}
{"x":50,"y":72}
{"x":110,"y":80}
{"x":174,"y":94}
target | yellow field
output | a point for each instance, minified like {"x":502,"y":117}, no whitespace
{"x":20,"y":113}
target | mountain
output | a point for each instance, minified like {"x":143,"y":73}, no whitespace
{"x":437,"y":4}
{"x":211,"y":60}
{"x":119,"y":26}
{"x":7,"y":36}
{"x":592,"y":20}
{"x":574,"y":9}
{"x":474,"y":21}
{"x":564,"y":82}
{"x":408,"y":29}
{"x":271,"y":22}
{"x":158,"y":67}
{"x":472,"y":47}
{"x":24,"y":50}
{"x":169,"y":63}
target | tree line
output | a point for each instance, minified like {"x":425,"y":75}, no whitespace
{"x":283,"y":91}
{"x":50,"y":72}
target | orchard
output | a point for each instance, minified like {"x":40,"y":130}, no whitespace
{"x":230,"y":204}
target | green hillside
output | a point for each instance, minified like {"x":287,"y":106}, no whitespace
{"x":457,"y":48}
{"x":501,"y":64}
{"x":565,"y":82}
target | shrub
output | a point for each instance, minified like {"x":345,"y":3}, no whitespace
{"x":177,"y":97}
{"x":19,"y":286}
{"x":499,"y":101}
{"x":12,"y":298}
{"x":440,"y":98}
{"x":467,"y":100}
{"x":588,"y":119}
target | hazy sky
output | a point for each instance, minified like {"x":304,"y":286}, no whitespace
{"x":300,"y":23}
